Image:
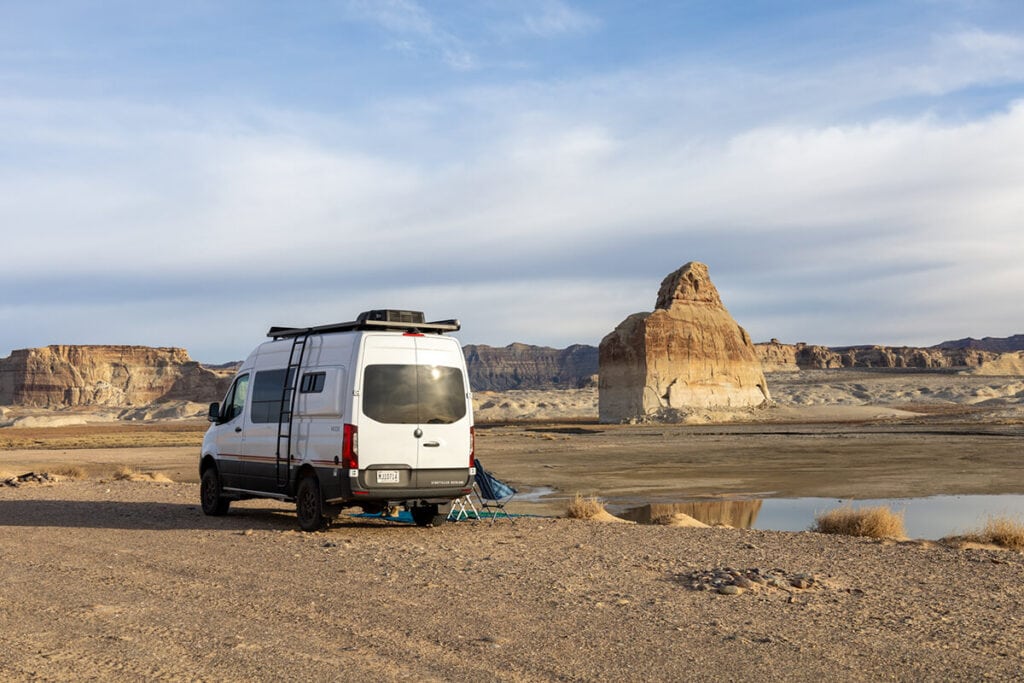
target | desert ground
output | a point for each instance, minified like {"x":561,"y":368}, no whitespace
{"x":113,"y":579}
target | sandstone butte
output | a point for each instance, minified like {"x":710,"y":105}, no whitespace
{"x":688,"y":353}
{"x":63,"y":376}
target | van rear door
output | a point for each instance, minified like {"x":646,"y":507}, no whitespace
{"x":389,"y":421}
{"x":415,"y":410}
{"x":444,"y":404}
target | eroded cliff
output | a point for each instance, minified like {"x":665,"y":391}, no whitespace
{"x":112,"y":376}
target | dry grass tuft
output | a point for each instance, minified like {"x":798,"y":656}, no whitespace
{"x":125,"y":473}
{"x":70,"y":471}
{"x":1004,"y":532}
{"x":128,"y":473}
{"x":584,"y":508}
{"x":874,"y":522}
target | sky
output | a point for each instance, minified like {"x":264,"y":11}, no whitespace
{"x":190,"y":173}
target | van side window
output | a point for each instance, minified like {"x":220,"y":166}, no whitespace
{"x":234,"y":402}
{"x":312,"y":382}
{"x":266,"y":395}
{"x":414,"y":394}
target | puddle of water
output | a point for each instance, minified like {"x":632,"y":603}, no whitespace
{"x":925,"y":518}
{"x":534,"y":495}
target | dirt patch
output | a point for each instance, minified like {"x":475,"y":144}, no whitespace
{"x":128,"y":580}
{"x":111,"y":435}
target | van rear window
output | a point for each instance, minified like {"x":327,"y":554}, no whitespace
{"x":413,"y":394}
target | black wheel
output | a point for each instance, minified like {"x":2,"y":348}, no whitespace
{"x":309,"y":504}
{"x":214,"y":503}
{"x":427,"y":515}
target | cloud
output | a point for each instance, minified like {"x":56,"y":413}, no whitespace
{"x":550,"y":233}
{"x":417,"y":28}
{"x":958,"y":60}
{"x":553,"y":18}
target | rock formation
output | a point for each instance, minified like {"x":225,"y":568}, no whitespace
{"x":65,"y":376}
{"x":521,"y":366}
{"x":997,"y":344}
{"x":688,"y":353}
{"x":778,"y":357}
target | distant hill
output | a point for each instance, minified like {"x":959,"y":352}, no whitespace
{"x":62,"y":376}
{"x":522,"y":366}
{"x":997,"y":344}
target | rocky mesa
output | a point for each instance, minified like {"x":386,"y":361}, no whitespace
{"x":111,"y":376}
{"x":523,"y":366}
{"x":778,"y":357}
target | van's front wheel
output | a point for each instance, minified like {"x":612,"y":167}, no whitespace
{"x":213,"y":502}
{"x":309,"y":504}
{"x":427,"y":515}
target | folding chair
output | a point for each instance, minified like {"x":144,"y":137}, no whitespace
{"x":492,"y":494}
{"x":463,"y":508}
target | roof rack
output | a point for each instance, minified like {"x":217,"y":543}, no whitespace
{"x":379,"y":319}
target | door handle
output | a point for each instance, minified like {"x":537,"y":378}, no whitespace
{"x":430,"y":444}
{"x":238,"y":429}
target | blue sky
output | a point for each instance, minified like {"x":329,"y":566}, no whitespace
{"x":191,"y":173}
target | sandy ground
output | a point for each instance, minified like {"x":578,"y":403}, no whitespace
{"x":129,"y":581}
{"x":108,"y":579}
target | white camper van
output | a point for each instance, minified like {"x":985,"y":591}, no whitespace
{"x":371,"y":413}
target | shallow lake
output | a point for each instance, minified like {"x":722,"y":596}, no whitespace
{"x":926,"y":518}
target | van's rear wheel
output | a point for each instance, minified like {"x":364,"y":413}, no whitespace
{"x":427,"y":515}
{"x":309,"y":504}
{"x":213,"y":502}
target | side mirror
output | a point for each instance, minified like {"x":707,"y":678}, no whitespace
{"x":214,"y":413}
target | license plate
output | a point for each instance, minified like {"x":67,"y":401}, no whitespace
{"x":387,"y":477}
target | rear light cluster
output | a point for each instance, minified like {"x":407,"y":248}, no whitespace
{"x":350,"y":448}
{"x":472,"y":446}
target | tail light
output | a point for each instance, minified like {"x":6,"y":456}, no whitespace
{"x":350,"y":448}
{"x":472,"y":446}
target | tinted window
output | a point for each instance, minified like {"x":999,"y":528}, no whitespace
{"x":414,"y":394}
{"x":312,"y":382}
{"x":266,"y":395}
{"x":234,"y":402}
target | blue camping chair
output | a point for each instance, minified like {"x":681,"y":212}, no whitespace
{"x":492,"y":494}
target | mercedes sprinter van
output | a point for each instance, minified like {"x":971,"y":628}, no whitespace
{"x":372,"y":413}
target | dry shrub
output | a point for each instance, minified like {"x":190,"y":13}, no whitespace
{"x":70,"y":471}
{"x":584,"y":508}
{"x":873,"y":522}
{"x":1001,"y":531}
{"x":127,"y":473}
{"x":1005,"y":532}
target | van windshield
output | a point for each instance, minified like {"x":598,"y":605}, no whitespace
{"x":413,"y":394}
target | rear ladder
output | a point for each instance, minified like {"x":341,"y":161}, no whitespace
{"x":286,"y":420}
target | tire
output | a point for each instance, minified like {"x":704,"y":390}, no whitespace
{"x":427,"y":515}
{"x":309,"y":504}
{"x":210,"y":495}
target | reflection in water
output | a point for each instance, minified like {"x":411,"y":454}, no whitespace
{"x":931,"y":518}
{"x":739,"y":514}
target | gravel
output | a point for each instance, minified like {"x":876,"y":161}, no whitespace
{"x":128,"y":580}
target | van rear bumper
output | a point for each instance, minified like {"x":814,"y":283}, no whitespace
{"x":376,"y":483}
